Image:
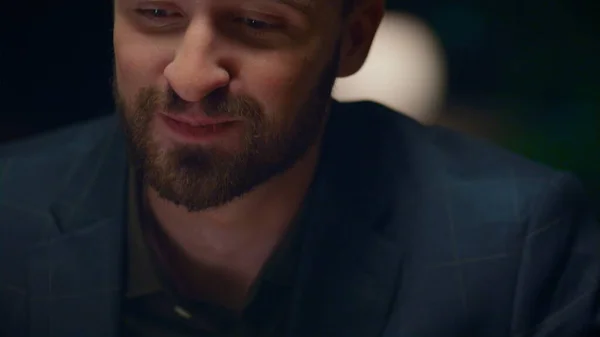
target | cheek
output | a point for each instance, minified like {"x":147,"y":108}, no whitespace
{"x":282,"y":88}
{"x":138,"y":63}
{"x":282,"y":82}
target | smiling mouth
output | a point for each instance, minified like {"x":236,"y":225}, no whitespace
{"x":198,"y":120}
{"x":198,"y":129}
{"x":214,"y":127}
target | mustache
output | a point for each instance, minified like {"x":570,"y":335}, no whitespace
{"x":216,"y":104}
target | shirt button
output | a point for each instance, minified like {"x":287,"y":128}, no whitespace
{"x":182,"y":312}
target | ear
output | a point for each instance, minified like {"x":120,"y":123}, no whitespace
{"x":358,"y":32}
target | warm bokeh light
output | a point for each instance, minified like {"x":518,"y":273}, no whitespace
{"x":405,"y":70}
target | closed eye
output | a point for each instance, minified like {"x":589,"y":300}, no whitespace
{"x":157,"y":13}
{"x":256,"y":24}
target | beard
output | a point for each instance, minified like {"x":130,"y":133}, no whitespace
{"x":199,"y":177}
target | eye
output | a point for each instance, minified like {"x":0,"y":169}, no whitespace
{"x":157,"y":13}
{"x":256,"y":24}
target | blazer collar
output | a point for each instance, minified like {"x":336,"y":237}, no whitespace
{"x":349,"y":268}
{"x":97,"y":188}
{"x":74,"y":280}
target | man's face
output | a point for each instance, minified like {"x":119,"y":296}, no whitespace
{"x":218,"y":96}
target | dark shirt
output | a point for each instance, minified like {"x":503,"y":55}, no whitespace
{"x":152,"y":308}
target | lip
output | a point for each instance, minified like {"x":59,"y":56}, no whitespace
{"x":197,"y":119}
{"x":198,"y":128}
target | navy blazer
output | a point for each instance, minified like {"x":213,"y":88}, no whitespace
{"x":413,"y":231}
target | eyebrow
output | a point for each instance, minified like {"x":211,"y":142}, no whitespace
{"x":302,"y":5}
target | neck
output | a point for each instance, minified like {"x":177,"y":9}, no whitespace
{"x":260,"y":214}
{"x":221,"y":251}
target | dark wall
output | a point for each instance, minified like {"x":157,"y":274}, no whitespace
{"x":530,"y":69}
{"x":56,"y":61}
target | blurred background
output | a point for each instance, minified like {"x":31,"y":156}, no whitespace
{"x":521,"y":73}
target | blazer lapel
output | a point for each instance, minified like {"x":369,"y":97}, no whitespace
{"x":350,"y":265}
{"x":75,"y":280}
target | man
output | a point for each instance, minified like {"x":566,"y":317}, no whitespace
{"x":232,"y":197}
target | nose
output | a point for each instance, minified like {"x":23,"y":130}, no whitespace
{"x":196,"y":70}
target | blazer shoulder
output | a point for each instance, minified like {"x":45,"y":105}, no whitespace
{"x":469,"y":176}
{"x":402,"y":140}
{"x":33,"y":170}
{"x":76,"y":137}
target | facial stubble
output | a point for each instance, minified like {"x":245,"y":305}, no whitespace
{"x":198,"y":177}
